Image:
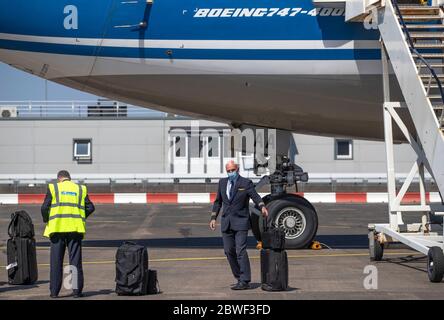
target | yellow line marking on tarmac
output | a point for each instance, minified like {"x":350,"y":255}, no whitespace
{"x":254,"y":258}
{"x":192,"y":223}
{"x":336,"y":227}
{"x":109,"y":221}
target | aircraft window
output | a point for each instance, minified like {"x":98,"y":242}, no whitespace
{"x":343,"y":149}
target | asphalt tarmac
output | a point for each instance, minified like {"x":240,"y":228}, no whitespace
{"x":191,"y":263}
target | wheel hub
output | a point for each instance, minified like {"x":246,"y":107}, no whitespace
{"x":292,"y":221}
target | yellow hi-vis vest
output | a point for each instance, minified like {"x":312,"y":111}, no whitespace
{"x":67,"y":212}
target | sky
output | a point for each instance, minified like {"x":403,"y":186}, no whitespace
{"x":16,"y":85}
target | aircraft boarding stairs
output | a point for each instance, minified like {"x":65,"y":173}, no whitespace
{"x":412,"y":42}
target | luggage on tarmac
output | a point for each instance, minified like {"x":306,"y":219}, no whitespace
{"x":274,"y":260}
{"x":21,"y":250}
{"x":21,"y":225}
{"x":274,"y":239}
{"x":153,"y":282}
{"x":131,"y":269}
{"x":274,"y":270}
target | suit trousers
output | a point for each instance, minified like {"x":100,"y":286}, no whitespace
{"x":59,"y":242}
{"x":235,"y":246}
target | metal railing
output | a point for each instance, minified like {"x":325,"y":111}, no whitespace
{"x":76,"y":110}
{"x":420,"y":57}
{"x":159,"y":178}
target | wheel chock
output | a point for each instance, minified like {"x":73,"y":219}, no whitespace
{"x":316,"y":245}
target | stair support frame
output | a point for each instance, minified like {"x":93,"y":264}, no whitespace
{"x":417,"y":236}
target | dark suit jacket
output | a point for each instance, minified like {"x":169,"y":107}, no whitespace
{"x":236,"y":212}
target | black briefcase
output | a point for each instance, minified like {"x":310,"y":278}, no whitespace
{"x":274,"y":270}
{"x":273,"y":238}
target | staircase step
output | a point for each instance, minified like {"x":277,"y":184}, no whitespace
{"x":427,"y":35}
{"x":429,"y":55}
{"x":427,"y":76}
{"x":429,"y":45}
{"x":425,"y":26}
{"x":432,"y":65}
{"x":434,"y":96}
{"x":421,"y":17}
{"x":412,"y":10}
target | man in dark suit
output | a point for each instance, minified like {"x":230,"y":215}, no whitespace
{"x":233,"y":195}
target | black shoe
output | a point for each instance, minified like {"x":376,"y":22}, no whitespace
{"x":241,"y":286}
{"x":54,"y":296}
{"x":78,"y":295}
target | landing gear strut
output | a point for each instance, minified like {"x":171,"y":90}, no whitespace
{"x":289,"y":211}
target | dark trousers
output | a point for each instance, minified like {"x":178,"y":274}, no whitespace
{"x":59,"y":242}
{"x":235,"y":246}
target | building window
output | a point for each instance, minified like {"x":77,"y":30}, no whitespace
{"x":180,"y":147}
{"x":213,"y":147}
{"x":82,"y":150}
{"x":343,"y":149}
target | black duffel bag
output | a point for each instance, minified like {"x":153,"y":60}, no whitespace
{"x":21,"y":225}
{"x":131,"y":270}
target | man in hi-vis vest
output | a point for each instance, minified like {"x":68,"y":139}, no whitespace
{"x":65,"y":210}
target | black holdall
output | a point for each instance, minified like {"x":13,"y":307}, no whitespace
{"x":21,"y":225}
{"x":273,"y":238}
{"x":131,"y":269}
{"x":21,"y":250}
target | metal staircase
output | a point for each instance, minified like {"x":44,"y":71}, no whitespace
{"x":413,"y":41}
{"x":424,"y":30}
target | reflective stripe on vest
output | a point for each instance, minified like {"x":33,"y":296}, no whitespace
{"x":67,"y":212}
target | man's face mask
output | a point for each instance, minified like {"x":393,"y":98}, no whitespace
{"x":232,"y":175}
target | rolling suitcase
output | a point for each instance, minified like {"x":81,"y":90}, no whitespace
{"x":274,"y":269}
{"x":21,"y":250}
{"x":274,"y":260}
{"x":131,"y":270}
{"x":273,"y":238}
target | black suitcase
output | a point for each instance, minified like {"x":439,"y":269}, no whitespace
{"x":272,"y":238}
{"x":274,"y":270}
{"x":21,"y":251}
{"x":22,"y":261}
{"x":131,"y":270}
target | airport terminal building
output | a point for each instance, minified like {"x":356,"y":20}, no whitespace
{"x":107,"y":142}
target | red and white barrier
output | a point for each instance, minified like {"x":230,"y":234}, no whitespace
{"x":177,"y":198}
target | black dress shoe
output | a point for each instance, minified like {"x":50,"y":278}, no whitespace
{"x":78,"y":295}
{"x":54,"y":296}
{"x":241,"y":286}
